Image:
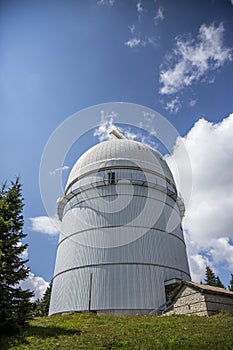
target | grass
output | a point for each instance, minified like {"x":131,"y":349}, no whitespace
{"x":89,"y":331}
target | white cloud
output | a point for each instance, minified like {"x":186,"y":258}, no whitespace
{"x":139,"y":7}
{"x":222,"y":248}
{"x":173,"y":105}
{"x":45,"y":224}
{"x":191,"y":59}
{"x":106,"y":2}
{"x":159,"y":16}
{"x":152,"y":41}
{"x":133,"y":42}
{"x":148,"y":124}
{"x":142,"y":42}
{"x":58,"y":170}
{"x":192,"y":103}
{"x":211,"y":253}
{"x":148,"y":116}
{"x":198,"y":265}
{"x":137,"y":39}
{"x":132,"y":28}
{"x":148,"y":141}
{"x":24,"y":254}
{"x":208,"y":220}
{"x":36,"y":284}
{"x":106,"y":125}
{"x":130,"y":135}
{"x":138,"y":136}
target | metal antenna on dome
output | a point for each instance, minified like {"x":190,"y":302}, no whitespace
{"x":117,"y":134}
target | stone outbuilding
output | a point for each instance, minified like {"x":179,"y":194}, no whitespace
{"x":191,"y":298}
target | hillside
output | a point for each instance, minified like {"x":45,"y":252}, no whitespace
{"x":89,"y":331}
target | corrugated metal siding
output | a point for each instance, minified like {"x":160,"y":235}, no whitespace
{"x":128,"y":235}
{"x":109,"y":201}
{"x":113,"y":287}
{"x":155,"y":247}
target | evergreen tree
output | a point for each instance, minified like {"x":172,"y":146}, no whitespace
{"x":15,"y":306}
{"x":210,"y":277}
{"x":41,"y":306}
{"x":230,"y":287}
{"x":46,"y":300}
{"x":218,"y":283}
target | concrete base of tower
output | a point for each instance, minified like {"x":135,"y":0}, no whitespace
{"x":124,"y":312}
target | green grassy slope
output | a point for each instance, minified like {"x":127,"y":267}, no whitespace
{"x":88,"y":331}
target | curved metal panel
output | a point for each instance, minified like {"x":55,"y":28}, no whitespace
{"x":120,"y":225}
{"x":113,"y":287}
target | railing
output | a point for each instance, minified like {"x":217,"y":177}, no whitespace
{"x":168,"y":189}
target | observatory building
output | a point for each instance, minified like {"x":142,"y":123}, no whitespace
{"x":121,"y":245}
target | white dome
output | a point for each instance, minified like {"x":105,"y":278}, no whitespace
{"x":119,"y":152}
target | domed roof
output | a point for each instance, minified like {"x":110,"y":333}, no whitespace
{"x":119,"y":152}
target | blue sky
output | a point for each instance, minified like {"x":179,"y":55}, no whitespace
{"x":175,"y":57}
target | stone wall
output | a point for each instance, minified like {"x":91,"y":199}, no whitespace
{"x":189,"y":302}
{"x":217,"y":303}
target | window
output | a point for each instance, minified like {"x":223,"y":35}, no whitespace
{"x":111,"y":178}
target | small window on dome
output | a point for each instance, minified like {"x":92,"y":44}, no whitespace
{"x":111,"y":178}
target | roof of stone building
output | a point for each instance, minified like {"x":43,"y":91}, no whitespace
{"x":203,"y":288}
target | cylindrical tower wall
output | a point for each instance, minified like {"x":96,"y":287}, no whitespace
{"x":121,"y":235}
